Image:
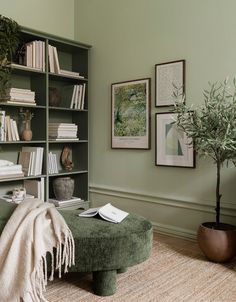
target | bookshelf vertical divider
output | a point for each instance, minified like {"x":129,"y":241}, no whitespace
{"x":73,"y":61}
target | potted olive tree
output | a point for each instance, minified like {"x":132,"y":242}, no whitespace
{"x":212,"y":126}
{"x":9,"y":41}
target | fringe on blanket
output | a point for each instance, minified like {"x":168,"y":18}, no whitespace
{"x":65,"y":257}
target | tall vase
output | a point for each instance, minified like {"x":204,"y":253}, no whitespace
{"x":27,"y":132}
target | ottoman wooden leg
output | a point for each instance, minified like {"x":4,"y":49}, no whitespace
{"x":104,"y":282}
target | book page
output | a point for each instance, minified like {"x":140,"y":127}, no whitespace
{"x":89,"y":213}
{"x":112,"y":213}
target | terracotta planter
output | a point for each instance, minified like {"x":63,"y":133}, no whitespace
{"x":218,"y":244}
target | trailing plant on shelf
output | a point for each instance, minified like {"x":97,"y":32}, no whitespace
{"x":212,"y":126}
{"x":9,"y":41}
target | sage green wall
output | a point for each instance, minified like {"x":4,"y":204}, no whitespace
{"x":51,"y":16}
{"x":129,"y":37}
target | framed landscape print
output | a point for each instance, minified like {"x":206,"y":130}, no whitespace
{"x":131,"y":114}
{"x":173,"y":148}
{"x":168,"y":75}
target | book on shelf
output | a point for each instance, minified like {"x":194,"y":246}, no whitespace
{"x":52,"y":163}
{"x":31,"y":159}
{"x":35,"y":55}
{"x":78,"y":96}
{"x":24,"y":67}
{"x":62,"y":130}
{"x":35,"y":187}
{"x":107,"y":212}
{"x":11,"y":171}
{"x":19,"y":96}
{"x":65,"y":203}
{"x":9,"y":198}
{"x":8,"y":128}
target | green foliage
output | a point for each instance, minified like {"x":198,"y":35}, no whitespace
{"x":9,"y":40}
{"x":130,"y":110}
{"x":212,"y":126}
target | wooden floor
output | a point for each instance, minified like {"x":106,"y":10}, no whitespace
{"x":175,"y":272}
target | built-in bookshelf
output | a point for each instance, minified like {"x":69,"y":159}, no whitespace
{"x":53,"y":72}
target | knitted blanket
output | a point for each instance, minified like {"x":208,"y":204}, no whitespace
{"x":34,"y":229}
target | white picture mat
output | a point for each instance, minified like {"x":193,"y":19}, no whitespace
{"x":185,"y":160}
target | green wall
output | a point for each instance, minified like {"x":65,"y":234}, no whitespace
{"x":129,"y":37}
{"x":53,"y":16}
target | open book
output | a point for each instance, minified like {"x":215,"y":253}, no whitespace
{"x":107,"y":212}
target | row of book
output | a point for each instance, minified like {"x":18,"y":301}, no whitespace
{"x":60,"y":131}
{"x":20,"y":96}
{"x":10,"y":170}
{"x":54,"y":65}
{"x":35,"y":187}
{"x":31,"y":160}
{"x":35,"y":55}
{"x":8,"y":128}
{"x":74,"y":201}
{"x":52,"y":163}
{"x":78,"y":97}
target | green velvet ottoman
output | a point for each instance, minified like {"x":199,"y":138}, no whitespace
{"x":106,"y":248}
{"x":102,"y":247}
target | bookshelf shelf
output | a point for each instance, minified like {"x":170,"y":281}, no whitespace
{"x":73,"y":58}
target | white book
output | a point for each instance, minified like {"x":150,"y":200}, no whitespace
{"x":18,"y":103}
{"x":56,"y":61}
{"x":77,"y":96}
{"x":16,"y":130}
{"x":80,"y":97}
{"x":49,"y":163}
{"x":8,"y":129}
{"x":43,"y":55}
{"x":2,"y":125}
{"x":73,"y":97}
{"x":42,"y":189}
{"x":107,"y":212}
{"x":51,"y":59}
{"x":83,"y":97}
{"x":12,"y":130}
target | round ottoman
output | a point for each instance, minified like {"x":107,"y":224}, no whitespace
{"x":106,"y":248}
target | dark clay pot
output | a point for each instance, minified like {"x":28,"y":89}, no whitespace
{"x":218,"y":243}
{"x":63,"y":188}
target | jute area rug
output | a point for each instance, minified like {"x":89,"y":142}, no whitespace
{"x":175,"y":272}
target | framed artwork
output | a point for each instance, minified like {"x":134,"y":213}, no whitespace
{"x":173,"y":148}
{"x":168,"y":75}
{"x":131,"y":114}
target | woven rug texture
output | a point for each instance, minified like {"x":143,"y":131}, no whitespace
{"x":175,"y":272}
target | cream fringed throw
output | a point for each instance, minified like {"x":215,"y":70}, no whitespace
{"x":34,"y":229}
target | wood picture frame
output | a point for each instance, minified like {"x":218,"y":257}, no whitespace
{"x":172,"y":147}
{"x":168,"y":75}
{"x":130,"y":114}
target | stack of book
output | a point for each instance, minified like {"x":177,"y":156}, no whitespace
{"x":54,"y":65}
{"x":52,"y":163}
{"x":20,"y":96}
{"x":31,"y":159}
{"x":11,"y":171}
{"x":35,"y":55}
{"x":35,"y":187}
{"x":74,"y":201}
{"x":60,"y":131}
{"x":10,"y":198}
{"x":8,"y":128}
{"x":78,"y":96}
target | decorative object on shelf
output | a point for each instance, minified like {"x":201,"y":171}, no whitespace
{"x":54,"y":97}
{"x":18,"y":194}
{"x":63,"y":188}
{"x":66,"y":158}
{"x":26,"y":116}
{"x":212,"y":126}
{"x":131,"y":114}
{"x":167,"y":75}
{"x":173,"y":147}
{"x":9,"y":40}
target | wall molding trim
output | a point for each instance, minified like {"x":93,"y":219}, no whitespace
{"x":227,"y":208}
{"x":174,"y":231}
